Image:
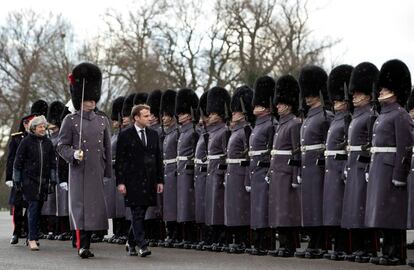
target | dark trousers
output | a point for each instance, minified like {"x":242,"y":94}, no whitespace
{"x":64,"y":225}
{"x":189,"y":231}
{"x":33,"y":215}
{"x":363,"y":240}
{"x":83,"y":239}
{"x":19,"y":220}
{"x":289,"y":238}
{"x":341,"y":237}
{"x":262,"y":238}
{"x":136,"y":235}
{"x":120,"y":226}
{"x":395,"y":243}
{"x":172,"y":230}
{"x":238,"y":235}
{"x":318,"y":238}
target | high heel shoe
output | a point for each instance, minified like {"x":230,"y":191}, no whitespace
{"x":33,"y":245}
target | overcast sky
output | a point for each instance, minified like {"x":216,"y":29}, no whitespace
{"x":369,"y":30}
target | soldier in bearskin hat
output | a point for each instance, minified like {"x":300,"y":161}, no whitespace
{"x":185,"y":110}
{"x":312,"y":81}
{"x":284,"y":191}
{"x":260,"y":145}
{"x":236,"y":198}
{"x":392,"y":141}
{"x":336,"y":156}
{"x":85,"y":143}
{"x":218,"y":101}
{"x":126,"y":110}
{"x":39,"y":107}
{"x":140,"y":98}
{"x":363,"y":88}
{"x":169,"y":148}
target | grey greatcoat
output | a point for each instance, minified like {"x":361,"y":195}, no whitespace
{"x":353,"y":211}
{"x":387,"y":197}
{"x":185,"y":173}
{"x":169,"y":149}
{"x":410,"y":185}
{"x":87,"y":210}
{"x":334,"y":185}
{"x":154,"y":212}
{"x":49,"y":207}
{"x":284,"y":191}
{"x":110,"y":189}
{"x":214,"y":200}
{"x":236,"y":198}
{"x":313,"y":132}
{"x":260,"y":140}
{"x":200,"y":174}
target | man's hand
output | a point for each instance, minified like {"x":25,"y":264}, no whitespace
{"x":78,"y":155}
{"x":122,"y":189}
{"x":9,"y":183}
{"x":64,"y":186}
{"x":160,"y":188}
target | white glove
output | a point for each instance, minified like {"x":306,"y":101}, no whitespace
{"x":248,"y":188}
{"x":64,"y":186}
{"x":299,"y":179}
{"x":9,"y":183}
{"x":346,"y":173}
{"x":294,"y":185}
{"x":78,"y":154}
{"x":366,"y":176}
{"x":267,"y":179}
{"x":398,"y":183}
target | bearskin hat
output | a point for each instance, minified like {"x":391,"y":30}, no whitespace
{"x":264,"y":89}
{"x":338,"y":78}
{"x":154,"y":101}
{"x":242,"y":94}
{"x":39,"y":107}
{"x":217,"y":100}
{"x":312,"y":80}
{"x":128,"y":104}
{"x":92,"y":76}
{"x":364,"y":79}
{"x":116,"y":112}
{"x":202,"y":104}
{"x":140,"y":98}
{"x":168,"y":103}
{"x":57,"y":111}
{"x":395,"y":76}
{"x":287,"y":92}
{"x":186,"y":101}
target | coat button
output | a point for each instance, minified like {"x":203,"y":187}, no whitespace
{"x":87,"y":150}
{"x":76,"y":125}
{"x":99,"y":141}
{"x":304,"y":167}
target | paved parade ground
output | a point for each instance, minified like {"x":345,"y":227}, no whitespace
{"x":60,"y":255}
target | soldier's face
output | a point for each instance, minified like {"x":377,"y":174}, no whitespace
{"x":339,"y":105}
{"x":167,"y":120}
{"x":214,"y":118}
{"x":126,"y":121}
{"x":153,"y":119}
{"x":260,"y":111}
{"x":184,"y":118}
{"x":40,"y":130}
{"x":143,"y":119}
{"x":283,"y":109}
{"x":115,"y":124}
{"x":386,"y":95}
{"x":412,"y":113}
{"x":89,"y":105}
{"x":360,"y":99}
{"x":312,"y":101}
{"x":236,"y":116}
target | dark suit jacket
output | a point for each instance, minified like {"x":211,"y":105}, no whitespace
{"x":138,"y":167}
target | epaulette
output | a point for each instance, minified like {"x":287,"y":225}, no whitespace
{"x":16,"y":134}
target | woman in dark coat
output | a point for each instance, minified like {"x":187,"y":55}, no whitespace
{"x":34,"y":171}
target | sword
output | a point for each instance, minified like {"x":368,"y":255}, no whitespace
{"x":81,"y":122}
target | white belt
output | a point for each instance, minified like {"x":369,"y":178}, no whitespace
{"x":235,"y":160}
{"x":275,"y":152}
{"x":211,"y":157}
{"x":169,"y":161}
{"x":257,"y":153}
{"x":354,"y":148}
{"x":184,"y":158}
{"x":376,"y":149}
{"x":199,"y":161}
{"x":311,"y":147}
{"x":334,"y":152}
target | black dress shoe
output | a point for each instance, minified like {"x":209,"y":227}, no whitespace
{"x":285,"y":253}
{"x":179,"y":245}
{"x":385,"y":260}
{"x":258,"y":252}
{"x":144,"y":252}
{"x":300,"y":254}
{"x":131,"y":251}
{"x":410,"y":263}
{"x":314,"y":254}
{"x":328,"y":255}
{"x":365,"y":258}
{"x":83,"y":253}
{"x":374,"y":260}
{"x":338,"y":256}
{"x":274,"y":253}
{"x":14,"y":240}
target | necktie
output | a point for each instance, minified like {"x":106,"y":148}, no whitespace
{"x":144,"y":141}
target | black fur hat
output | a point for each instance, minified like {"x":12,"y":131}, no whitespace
{"x":57,"y":111}
{"x":117,"y":104}
{"x":312,"y":80}
{"x":395,"y":76}
{"x":93,"y":83}
{"x":39,"y":107}
{"x":364,"y":79}
{"x":185,"y":100}
{"x":287,"y":92}
{"x":127,"y":106}
{"x":202,"y":104}
{"x":154,"y":101}
{"x":140,"y":98}
{"x":244,"y":93}
{"x":217,"y":99}
{"x":264,"y":90}
{"x":168,"y":103}
{"x":338,"y":78}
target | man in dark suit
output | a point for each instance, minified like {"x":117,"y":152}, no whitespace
{"x":138,"y":171}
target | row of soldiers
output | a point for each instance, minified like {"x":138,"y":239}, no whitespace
{"x":325,"y":156}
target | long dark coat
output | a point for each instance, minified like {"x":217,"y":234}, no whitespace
{"x":15,"y":197}
{"x":284,"y":198}
{"x":35,"y":158}
{"x":236,"y":198}
{"x":313,"y":132}
{"x":260,"y":139}
{"x":62,"y":196}
{"x":200,"y":174}
{"x":169,"y":149}
{"x":353,"y":209}
{"x":387,"y":203}
{"x":155,"y":212}
{"x":185,"y":173}
{"x":119,"y":201}
{"x":214,"y":199}
{"x":410,"y":184}
{"x":334,"y":185}
{"x":49,"y":207}
{"x":87,"y":210}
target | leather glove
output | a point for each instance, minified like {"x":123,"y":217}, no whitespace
{"x":9,"y":183}
{"x":397,"y":183}
{"x":248,"y":188}
{"x":78,"y":155}
{"x":64,"y":186}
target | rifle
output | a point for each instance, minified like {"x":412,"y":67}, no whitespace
{"x":247,"y":132}
{"x":162,"y":129}
{"x":347,"y":122}
{"x":301,"y":110}
{"x":205,"y":134}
